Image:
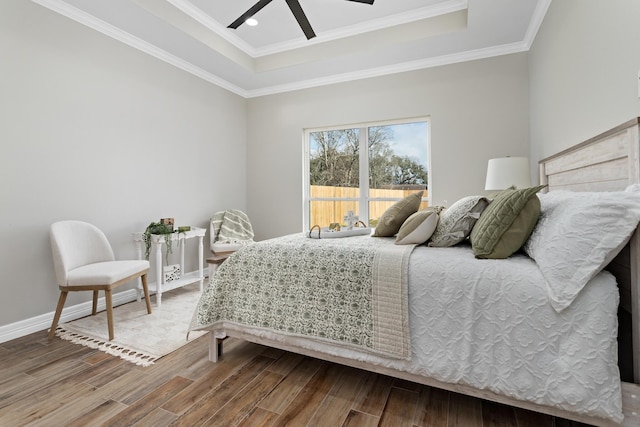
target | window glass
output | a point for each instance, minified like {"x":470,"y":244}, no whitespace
{"x":364,"y":169}
{"x":398,"y":164}
{"x":334,"y":160}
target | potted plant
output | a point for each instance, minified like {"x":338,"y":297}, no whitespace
{"x":158,"y":228}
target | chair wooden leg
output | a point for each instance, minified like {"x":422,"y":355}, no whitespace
{"x":56,"y":317}
{"x":107,"y":296}
{"x":145,"y":288}
{"x":94,"y":308}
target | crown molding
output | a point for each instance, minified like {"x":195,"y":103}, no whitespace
{"x":536,"y":21}
{"x":90,"y":21}
{"x":373,"y":25}
{"x":199,"y":15}
{"x":109,"y":30}
{"x":189,"y":9}
{"x":394,"y":69}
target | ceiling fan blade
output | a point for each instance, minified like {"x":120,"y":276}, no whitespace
{"x":297,"y":11}
{"x":363,"y":1}
{"x":249,"y":13}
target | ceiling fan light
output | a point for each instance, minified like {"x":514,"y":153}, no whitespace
{"x":252,"y":22}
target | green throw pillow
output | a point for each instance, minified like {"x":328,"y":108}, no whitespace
{"x":393,"y":218}
{"x":506,"y":224}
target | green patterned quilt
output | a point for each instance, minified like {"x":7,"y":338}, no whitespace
{"x":350,"y":291}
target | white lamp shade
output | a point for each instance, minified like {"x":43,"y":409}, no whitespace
{"x":504,"y":172}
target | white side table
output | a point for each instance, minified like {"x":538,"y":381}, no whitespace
{"x":155,"y":256}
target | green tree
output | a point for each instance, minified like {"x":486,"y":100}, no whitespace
{"x":404,"y":171}
{"x":335,"y":160}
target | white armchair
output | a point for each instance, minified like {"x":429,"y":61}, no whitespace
{"x":229,"y":231}
{"x":84,"y":261}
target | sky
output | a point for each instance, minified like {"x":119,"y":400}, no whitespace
{"x":411,"y":139}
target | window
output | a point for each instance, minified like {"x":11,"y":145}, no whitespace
{"x":364,"y":169}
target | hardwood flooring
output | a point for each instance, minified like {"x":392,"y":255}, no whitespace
{"x":57,"y":383}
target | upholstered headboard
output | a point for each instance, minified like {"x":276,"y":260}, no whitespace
{"x":607,"y":162}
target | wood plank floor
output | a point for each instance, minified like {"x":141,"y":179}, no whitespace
{"x":57,"y":383}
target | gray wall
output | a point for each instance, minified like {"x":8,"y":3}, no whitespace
{"x":478,"y":110}
{"x":94,"y":130}
{"x":583,"y":72}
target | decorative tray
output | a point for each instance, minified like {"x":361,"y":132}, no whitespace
{"x":326,"y":233}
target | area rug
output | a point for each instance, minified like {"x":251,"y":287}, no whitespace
{"x":139,"y":337}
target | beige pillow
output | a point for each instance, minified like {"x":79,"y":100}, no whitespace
{"x":457,"y":221}
{"x":418,"y":228}
{"x":396,"y":215}
{"x":506,"y":224}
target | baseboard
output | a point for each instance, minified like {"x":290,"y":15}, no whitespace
{"x":43,"y":321}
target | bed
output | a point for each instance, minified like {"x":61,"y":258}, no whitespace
{"x":498,"y":329}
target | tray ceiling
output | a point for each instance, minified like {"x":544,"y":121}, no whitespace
{"x":353,"y":40}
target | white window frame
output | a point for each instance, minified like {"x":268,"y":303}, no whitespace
{"x":364,"y":199}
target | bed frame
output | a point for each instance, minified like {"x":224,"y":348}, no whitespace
{"x":607,"y":162}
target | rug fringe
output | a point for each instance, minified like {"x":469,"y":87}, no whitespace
{"x":137,"y":357}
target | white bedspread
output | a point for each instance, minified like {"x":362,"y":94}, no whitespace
{"x":493,"y":327}
{"x":490,"y":325}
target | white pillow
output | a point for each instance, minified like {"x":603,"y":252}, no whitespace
{"x":577,"y":235}
{"x":418,"y":228}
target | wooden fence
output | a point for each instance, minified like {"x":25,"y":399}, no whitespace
{"x":324,"y":212}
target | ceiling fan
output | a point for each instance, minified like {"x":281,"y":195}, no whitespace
{"x":296,"y":9}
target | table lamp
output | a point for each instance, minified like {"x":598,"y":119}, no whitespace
{"x":505,"y":172}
